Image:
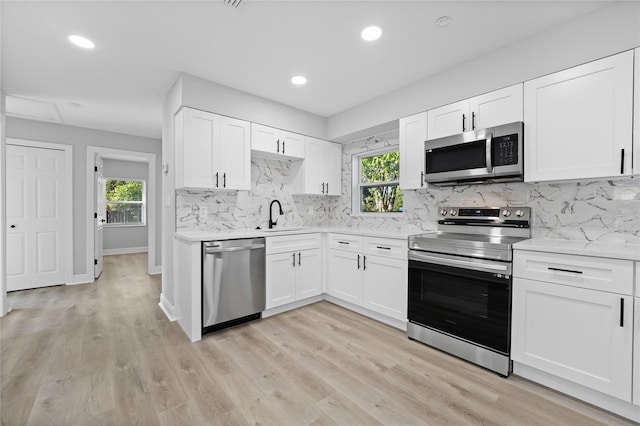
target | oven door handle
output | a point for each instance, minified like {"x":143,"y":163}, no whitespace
{"x":476,"y":265}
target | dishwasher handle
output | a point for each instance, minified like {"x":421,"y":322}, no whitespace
{"x":214,"y":250}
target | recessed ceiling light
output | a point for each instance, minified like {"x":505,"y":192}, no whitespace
{"x":80,"y":41}
{"x":371,"y":33}
{"x":299,"y":80}
{"x":443,"y":21}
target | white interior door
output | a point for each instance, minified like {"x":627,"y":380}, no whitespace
{"x":100,"y":216}
{"x":36,"y":255}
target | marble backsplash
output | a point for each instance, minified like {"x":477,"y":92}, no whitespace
{"x":606,"y":211}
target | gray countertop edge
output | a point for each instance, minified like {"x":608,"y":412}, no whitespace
{"x":196,"y":236}
{"x":582,"y":248}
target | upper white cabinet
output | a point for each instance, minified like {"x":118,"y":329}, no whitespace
{"x":636,"y":351}
{"x":636,"y":125}
{"x":276,"y":143}
{"x":490,"y":109}
{"x":572,"y":318}
{"x":578,"y":122}
{"x":212,"y":151}
{"x":413,"y":133}
{"x":321,"y":171}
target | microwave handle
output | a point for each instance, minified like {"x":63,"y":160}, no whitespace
{"x":488,"y":153}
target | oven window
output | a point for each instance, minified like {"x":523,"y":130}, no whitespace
{"x":466,"y":156}
{"x":471,"y":305}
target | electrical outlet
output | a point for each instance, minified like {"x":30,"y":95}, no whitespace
{"x":203,"y":211}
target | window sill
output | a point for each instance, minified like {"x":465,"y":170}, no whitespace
{"x":378,"y":215}
{"x":124,"y":225}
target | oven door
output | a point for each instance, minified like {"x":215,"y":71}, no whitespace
{"x":466,"y":298}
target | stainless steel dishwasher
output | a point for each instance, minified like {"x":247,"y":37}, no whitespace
{"x":233,"y":282}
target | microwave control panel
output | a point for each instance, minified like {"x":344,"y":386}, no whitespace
{"x":504,"y":150}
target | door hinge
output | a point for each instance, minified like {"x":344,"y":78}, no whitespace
{"x":95,"y":261}
{"x":95,"y":215}
{"x":95,"y":169}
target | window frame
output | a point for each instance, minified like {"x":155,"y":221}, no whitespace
{"x":143,"y":223}
{"x":356,"y":184}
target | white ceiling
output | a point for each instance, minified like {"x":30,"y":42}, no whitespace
{"x":142,"y":46}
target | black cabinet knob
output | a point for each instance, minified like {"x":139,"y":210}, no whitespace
{"x":13,"y":226}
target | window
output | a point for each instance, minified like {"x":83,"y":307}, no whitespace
{"x":125,"y":202}
{"x":375,"y":183}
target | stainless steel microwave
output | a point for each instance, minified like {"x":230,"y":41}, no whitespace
{"x":481,"y":156}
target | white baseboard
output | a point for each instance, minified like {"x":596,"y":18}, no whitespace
{"x":294,"y":305}
{"x":126,"y":250}
{"x":155,"y":270}
{"x":81,"y":279}
{"x":401,"y":325}
{"x":169,"y":311}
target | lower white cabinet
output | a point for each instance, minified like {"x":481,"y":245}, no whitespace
{"x":373,"y":281}
{"x":636,"y":349}
{"x":292,"y":274}
{"x":584,"y":336}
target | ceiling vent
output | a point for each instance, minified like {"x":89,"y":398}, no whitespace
{"x":232,"y":3}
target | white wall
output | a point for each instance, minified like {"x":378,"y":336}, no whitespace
{"x":604,"y":32}
{"x":118,"y":239}
{"x":80,"y":138}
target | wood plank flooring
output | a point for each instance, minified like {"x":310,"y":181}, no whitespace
{"x":104,"y":353}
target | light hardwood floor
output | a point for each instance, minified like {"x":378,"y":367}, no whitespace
{"x":104,"y":353}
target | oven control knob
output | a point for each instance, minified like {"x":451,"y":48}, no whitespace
{"x":443,"y":212}
{"x":453,"y":212}
{"x":506,"y":213}
{"x":519,"y":213}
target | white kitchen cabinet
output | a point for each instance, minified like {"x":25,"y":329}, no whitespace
{"x":212,"y":151}
{"x":293,"y":268}
{"x":370,"y":272}
{"x":275,"y":143}
{"x":636,"y":350}
{"x":572,"y":319}
{"x":321,"y":171}
{"x":488,"y":110}
{"x":578,"y":122}
{"x":636,"y":109}
{"x":413,"y":134}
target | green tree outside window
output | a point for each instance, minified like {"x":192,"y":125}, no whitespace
{"x":125,"y":201}
{"x":379,"y":187}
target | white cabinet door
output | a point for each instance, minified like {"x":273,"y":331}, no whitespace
{"x":636,"y":351}
{"x":235,"y":154}
{"x":332,"y":159}
{"x":413,"y":133}
{"x":495,"y":108}
{"x":448,"y":120}
{"x":311,"y":180}
{"x":308,"y":274}
{"x":196,"y":139}
{"x":385,"y":286}
{"x":583,"y":336}
{"x":636,"y":109}
{"x":578,"y":122}
{"x":345,"y":277}
{"x":280,"y":271}
{"x":265,"y":139}
{"x":292,"y":144}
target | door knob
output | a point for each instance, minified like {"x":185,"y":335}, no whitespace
{"x":13,"y":226}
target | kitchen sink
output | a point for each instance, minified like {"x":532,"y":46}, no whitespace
{"x":283,"y":229}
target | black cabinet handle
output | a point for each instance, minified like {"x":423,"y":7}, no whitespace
{"x":473,"y":121}
{"x":278,"y":146}
{"x":358,"y":261}
{"x":364,"y":263}
{"x":327,"y":187}
{"x":282,"y":147}
{"x":294,"y":259}
{"x":621,"y":312}
{"x":383,"y":248}
{"x":573,"y":271}
{"x":464,"y":120}
{"x":224,"y":180}
{"x":217,"y":179}
{"x":323,"y":187}
{"x":299,"y":259}
{"x":12,"y":226}
{"x":343,"y":242}
{"x":421,"y":179}
{"x":622,"y":161}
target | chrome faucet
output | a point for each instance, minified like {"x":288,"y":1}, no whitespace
{"x":272,"y":222}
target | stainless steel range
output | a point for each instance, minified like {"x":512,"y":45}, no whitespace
{"x":460,"y":283}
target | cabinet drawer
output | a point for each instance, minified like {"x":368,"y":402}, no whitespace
{"x":387,"y":247}
{"x":346,"y":242}
{"x":297,"y":242}
{"x":611,"y":275}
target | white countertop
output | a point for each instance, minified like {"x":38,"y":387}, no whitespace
{"x":194,"y":236}
{"x":583,"y":248}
